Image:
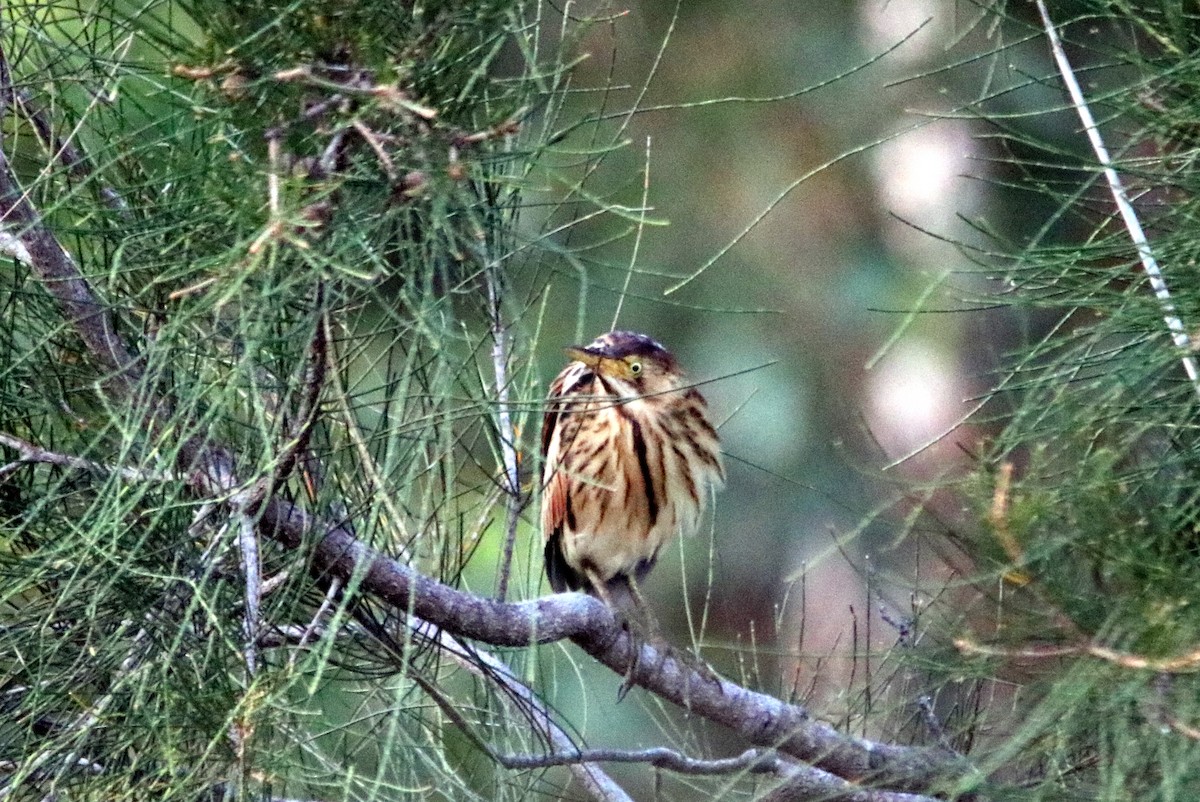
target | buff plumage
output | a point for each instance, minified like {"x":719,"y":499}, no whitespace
{"x":630,"y":460}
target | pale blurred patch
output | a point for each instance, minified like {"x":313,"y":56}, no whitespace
{"x":884,"y":22}
{"x":923,"y":183}
{"x":914,"y":396}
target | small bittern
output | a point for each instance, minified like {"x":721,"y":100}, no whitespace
{"x":630,"y":459}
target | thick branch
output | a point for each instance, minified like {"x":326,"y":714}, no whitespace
{"x":761,"y":719}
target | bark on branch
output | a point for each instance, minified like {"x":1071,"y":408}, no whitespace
{"x":760,"y":719}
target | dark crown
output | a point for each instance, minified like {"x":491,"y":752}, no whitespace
{"x":620,"y":344}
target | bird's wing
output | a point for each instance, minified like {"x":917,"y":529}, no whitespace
{"x":554,"y":503}
{"x":554,"y":486}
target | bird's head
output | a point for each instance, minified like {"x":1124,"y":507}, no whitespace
{"x":632,"y":364}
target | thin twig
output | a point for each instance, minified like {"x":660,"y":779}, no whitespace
{"x":1186,"y":663}
{"x":377,"y":485}
{"x":273,"y":177}
{"x":331,"y":595}
{"x":252,"y":574}
{"x":316,"y":369}
{"x":754,"y":761}
{"x":32,"y":454}
{"x":275,"y":226}
{"x":932,"y":722}
{"x":637,"y":237}
{"x":373,"y":140}
{"x":969,"y":646}
{"x":1129,"y":216}
{"x":511,"y":485}
{"x":67,"y":153}
{"x":598,"y":784}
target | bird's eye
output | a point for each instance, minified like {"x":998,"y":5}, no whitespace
{"x":635,"y":368}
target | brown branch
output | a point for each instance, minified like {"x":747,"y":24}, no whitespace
{"x":805,"y":785}
{"x":27,"y":239}
{"x":61,"y":150}
{"x":754,"y":761}
{"x":66,"y":153}
{"x":24,"y":237}
{"x":761,"y":719}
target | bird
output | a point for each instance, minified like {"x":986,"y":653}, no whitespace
{"x":630,"y":460}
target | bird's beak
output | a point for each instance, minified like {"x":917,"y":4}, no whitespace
{"x":585,"y":355}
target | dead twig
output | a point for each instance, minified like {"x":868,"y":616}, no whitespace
{"x":1129,"y":217}
{"x":510,"y":485}
{"x":31,"y":454}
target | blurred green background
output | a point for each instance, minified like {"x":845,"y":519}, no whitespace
{"x":790,"y":325}
{"x":824,"y":417}
{"x":792,"y":328}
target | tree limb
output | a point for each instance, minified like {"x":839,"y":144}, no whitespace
{"x":761,"y":719}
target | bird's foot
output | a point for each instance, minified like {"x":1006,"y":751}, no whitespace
{"x":690,"y":663}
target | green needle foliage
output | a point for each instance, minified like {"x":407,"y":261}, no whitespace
{"x":1084,"y":625}
{"x":311,"y":248}
{"x":303,"y":220}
